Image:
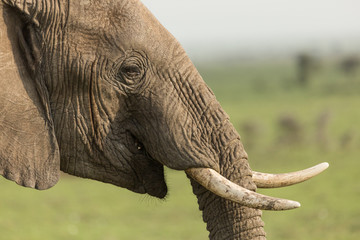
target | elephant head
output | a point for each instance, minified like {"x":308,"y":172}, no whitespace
{"x":99,"y":89}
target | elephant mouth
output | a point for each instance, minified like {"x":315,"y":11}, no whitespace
{"x":149,"y":172}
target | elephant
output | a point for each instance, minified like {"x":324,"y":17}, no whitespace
{"x":100,"y":89}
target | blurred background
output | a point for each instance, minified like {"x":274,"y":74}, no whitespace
{"x":288,"y":74}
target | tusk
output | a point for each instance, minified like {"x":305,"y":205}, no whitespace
{"x":267,"y":180}
{"x":224,"y":188}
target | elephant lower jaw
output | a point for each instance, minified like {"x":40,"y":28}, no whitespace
{"x":157,"y":189}
{"x":153,"y":178}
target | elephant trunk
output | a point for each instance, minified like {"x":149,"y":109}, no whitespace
{"x":221,"y":147}
{"x":226,"y":219}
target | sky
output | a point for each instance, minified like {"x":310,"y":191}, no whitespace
{"x":259,"y":25}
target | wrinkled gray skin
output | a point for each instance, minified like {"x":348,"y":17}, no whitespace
{"x":100,"y":90}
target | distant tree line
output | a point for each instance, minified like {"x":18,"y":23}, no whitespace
{"x":307,"y":65}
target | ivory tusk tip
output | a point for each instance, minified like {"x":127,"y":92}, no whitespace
{"x":324,"y":165}
{"x":292,"y":205}
{"x":297,"y":205}
{"x":321,"y":167}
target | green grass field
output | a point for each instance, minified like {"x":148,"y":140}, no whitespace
{"x":256,"y":95}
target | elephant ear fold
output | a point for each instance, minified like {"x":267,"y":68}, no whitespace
{"x":29,"y":152}
{"x":28,"y":7}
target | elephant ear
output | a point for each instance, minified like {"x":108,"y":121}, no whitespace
{"x":29,"y":152}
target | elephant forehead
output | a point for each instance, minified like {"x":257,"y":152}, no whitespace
{"x":115,"y":27}
{"x":93,"y":15}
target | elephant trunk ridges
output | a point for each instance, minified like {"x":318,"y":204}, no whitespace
{"x":226,"y":219}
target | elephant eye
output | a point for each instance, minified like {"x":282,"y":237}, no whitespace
{"x":131,"y":72}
